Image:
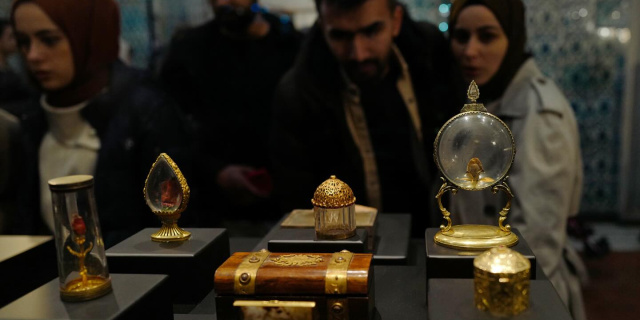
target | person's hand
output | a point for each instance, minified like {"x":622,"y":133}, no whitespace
{"x":233,"y":179}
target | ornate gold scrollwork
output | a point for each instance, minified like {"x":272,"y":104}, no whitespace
{"x":503,"y":213}
{"x":445,"y":213}
{"x":297,"y":260}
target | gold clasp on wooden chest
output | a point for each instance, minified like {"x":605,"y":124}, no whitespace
{"x":245,"y":276}
{"x":336,"y":279}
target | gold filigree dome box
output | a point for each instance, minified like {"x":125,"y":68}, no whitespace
{"x":334,"y":208}
{"x":318,"y":284}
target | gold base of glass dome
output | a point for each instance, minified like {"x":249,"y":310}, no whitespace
{"x":85,"y":289}
{"x":475,"y":237}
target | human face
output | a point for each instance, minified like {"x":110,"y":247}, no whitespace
{"x":233,"y":3}
{"x":360,"y":38}
{"x":234,"y":16}
{"x":7,"y":41}
{"x":478,"y":43}
{"x":44,"y":46}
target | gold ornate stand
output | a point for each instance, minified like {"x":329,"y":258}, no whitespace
{"x":93,"y":287}
{"x":475,"y":237}
{"x":170,"y":232}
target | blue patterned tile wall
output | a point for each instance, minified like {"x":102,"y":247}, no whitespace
{"x":581,"y":45}
{"x":135,"y":29}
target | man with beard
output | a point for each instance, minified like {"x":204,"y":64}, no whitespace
{"x":224,"y":74}
{"x":364,"y":101}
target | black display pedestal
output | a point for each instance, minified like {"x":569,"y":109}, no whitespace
{"x":391,"y":245}
{"x":443,"y":262}
{"x":134,"y":296}
{"x":26,"y":262}
{"x":190,"y":264}
{"x":304,"y":240}
{"x":399,"y":290}
{"x":453,"y":299}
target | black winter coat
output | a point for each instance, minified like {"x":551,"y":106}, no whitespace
{"x":310,"y":138}
{"x":135,"y":124}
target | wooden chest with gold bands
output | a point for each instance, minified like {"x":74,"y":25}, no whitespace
{"x":338,"y":285}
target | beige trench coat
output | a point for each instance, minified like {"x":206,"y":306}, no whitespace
{"x":546,"y":179}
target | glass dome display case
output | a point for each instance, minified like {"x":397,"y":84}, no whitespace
{"x":82,"y":264}
{"x":474,"y":151}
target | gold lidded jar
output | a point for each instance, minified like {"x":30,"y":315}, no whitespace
{"x":501,"y":282}
{"x":334,"y":210}
{"x":82,"y":264}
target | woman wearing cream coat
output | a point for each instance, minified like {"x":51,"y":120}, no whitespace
{"x":487,"y":40}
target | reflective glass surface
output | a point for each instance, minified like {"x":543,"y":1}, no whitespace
{"x":163,"y":192}
{"x":474,"y":150}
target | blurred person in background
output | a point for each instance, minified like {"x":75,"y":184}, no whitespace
{"x":223,"y":74}
{"x":13,"y":86}
{"x":364,"y":102}
{"x":10,"y":161}
{"x":95,"y":116}
{"x":488,"y":42}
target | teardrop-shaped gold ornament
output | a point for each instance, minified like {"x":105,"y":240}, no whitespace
{"x":473,"y":93}
{"x":167,"y":195}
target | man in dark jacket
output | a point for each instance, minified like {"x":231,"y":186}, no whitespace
{"x":364,"y":101}
{"x":223,"y":75}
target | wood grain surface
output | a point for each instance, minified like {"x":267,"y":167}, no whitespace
{"x":274,"y":279}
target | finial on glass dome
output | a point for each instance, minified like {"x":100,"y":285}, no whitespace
{"x":473,"y":93}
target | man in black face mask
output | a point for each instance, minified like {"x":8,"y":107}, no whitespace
{"x":224,"y":74}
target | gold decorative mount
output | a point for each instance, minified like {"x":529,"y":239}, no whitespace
{"x":245,"y":277}
{"x":333,"y":193}
{"x":445,"y":213}
{"x":170,"y":231}
{"x":186,"y":191}
{"x":473,"y":93}
{"x":274,"y":304}
{"x":336,"y":278}
{"x":475,"y":237}
{"x":96,"y":286}
{"x":297,"y":260}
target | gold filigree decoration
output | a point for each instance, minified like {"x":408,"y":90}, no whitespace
{"x":445,"y":213}
{"x":170,"y":231}
{"x":503,"y":213}
{"x":182,"y":181}
{"x":297,"y":260}
{"x":473,"y":93}
{"x":501,"y":281}
{"x":333,"y":193}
